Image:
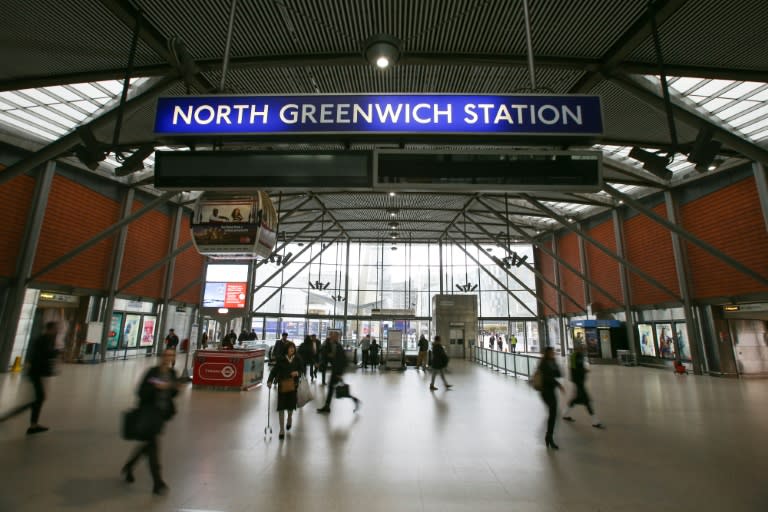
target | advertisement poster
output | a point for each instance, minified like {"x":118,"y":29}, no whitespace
{"x":647,"y":345}
{"x":148,"y":332}
{"x":665,"y":343}
{"x":131,"y":330}
{"x":681,"y":333}
{"x":113,"y":336}
{"x":253,"y":370}
{"x":593,"y":343}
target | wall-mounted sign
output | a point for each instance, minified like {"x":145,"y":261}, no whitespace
{"x":395,"y":113}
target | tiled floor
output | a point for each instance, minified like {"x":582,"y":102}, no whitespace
{"x":672,"y":444}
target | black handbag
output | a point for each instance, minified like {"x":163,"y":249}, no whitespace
{"x":342,"y":391}
{"x":141,"y":424}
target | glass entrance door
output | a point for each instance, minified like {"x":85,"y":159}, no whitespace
{"x":455,"y":346}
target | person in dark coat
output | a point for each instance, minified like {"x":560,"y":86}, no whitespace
{"x":578,"y":377}
{"x":421,"y":359}
{"x":41,"y":362}
{"x":375,"y":348}
{"x":549,"y":375}
{"x":171,"y":343}
{"x":279,"y":348}
{"x":323,"y":358}
{"x":307,"y":354}
{"x":316,"y":348}
{"x":337,"y":360}
{"x":156,"y":393}
{"x":287,"y":370}
{"x":439,"y":363}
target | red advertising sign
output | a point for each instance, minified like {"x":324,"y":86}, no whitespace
{"x":234,"y":295}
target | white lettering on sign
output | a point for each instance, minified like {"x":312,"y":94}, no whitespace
{"x":206,"y":114}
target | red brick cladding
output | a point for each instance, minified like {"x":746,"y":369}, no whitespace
{"x":649,"y":247}
{"x":603,"y":270}
{"x":15,"y":197}
{"x":147,"y":243}
{"x":545,"y":291}
{"x":74,"y":215}
{"x":571,"y":283}
{"x":731,"y":220}
{"x":189,"y":266}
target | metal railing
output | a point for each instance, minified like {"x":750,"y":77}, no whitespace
{"x":516,"y":364}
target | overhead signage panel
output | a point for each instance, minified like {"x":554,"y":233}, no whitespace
{"x":575,"y":115}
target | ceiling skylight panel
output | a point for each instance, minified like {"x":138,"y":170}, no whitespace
{"x":756,"y":126}
{"x":715,"y":103}
{"x":40,"y":121}
{"x":63,"y":93}
{"x":70,"y":112}
{"x":52,"y":115}
{"x":760,"y":135}
{"x":17,"y":100}
{"x":713,"y":88}
{"x":27,"y":127}
{"x":87,"y":106}
{"x":38,"y":96}
{"x":113,"y":87}
{"x":736,"y":109}
{"x":761,"y":96}
{"x":742,"y":90}
{"x":749,"y":116}
{"x":88,"y":91}
{"x":685,"y":84}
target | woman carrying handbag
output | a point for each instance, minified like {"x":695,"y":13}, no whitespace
{"x":286,"y":372}
{"x":156,"y":393}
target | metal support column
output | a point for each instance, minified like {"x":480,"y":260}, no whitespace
{"x":683,"y":279}
{"x":116,"y":265}
{"x":440,"y":254}
{"x":558,"y":283}
{"x":170,"y":270}
{"x":584,"y":270}
{"x":248,"y":313}
{"x":26,"y":258}
{"x":761,"y":180}
{"x":618,"y":234}
{"x":346,"y":288}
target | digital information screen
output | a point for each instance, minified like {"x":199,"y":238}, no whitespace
{"x":226,"y":286}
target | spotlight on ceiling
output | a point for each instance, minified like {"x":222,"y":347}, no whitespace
{"x":704,"y":150}
{"x":652,"y":162}
{"x":91,"y":151}
{"x":393,"y":234}
{"x":382,"y":51}
{"x":393,"y":213}
{"x":135,"y":162}
{"x":393,"y":225}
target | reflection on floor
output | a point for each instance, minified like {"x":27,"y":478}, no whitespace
{"x":672,"y":444}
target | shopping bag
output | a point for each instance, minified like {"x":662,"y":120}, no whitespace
{"x":303,"y":393}
{"x":342,"y":391}
{"x":537,"y":381}
{"x":141,"y":424}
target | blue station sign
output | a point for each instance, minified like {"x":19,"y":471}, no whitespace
{"x":575,"y":115}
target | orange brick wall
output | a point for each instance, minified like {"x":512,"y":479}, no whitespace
{"x":189,"y":266}
{"x":545,"y":291}
{"x":147,"y":243}
{"x":571,"y":283}
{"x":603,"y":270}
{"x":74,"y":215}
{"x":649,"y":247}
{"x":731,"y":220}
{"x":15,"y":198}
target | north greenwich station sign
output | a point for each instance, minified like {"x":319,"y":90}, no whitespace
{"x":573,"y":115}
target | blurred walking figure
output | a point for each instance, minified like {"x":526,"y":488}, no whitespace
{"x":307,"y":355}
{"x":439,"y":363}
{"x":287,"y":370}
{"x":171,"y":342}
{"x":338,"y":362}
{"x":41,"y":362}
{"x":374,"y":355}
{"x":579,"y":371}
{"x":365,"y":348}
{"x":156,"y":393}
{"x":421,"y":359}
{"x":549,"y":373}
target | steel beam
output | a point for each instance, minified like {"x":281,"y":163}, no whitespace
{"x":170,"y":270}
{"x":11,"y":310}
{"x":556,"y":272}
{"x":626,"y":292}
{"x":634,"y":268}
{"x":626,"y":44}
{"x":322,"y":250}
{"x":761,"y":181}
{"x":683,"y":279}
{"x":67,"y":142}
{"x":346,"y":287}
{"x":503,"y":285}
{"x":532,"y":269}
{"x":542,"y":248}
{"x":686,"y":235}
{"x":104,"y":234}
{"x":585,"y":271}
{"x":116,"y":265}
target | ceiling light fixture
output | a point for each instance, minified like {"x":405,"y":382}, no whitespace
{"x":704,"y":150}
{"x":135,"y":162}
{"x":652,"y":162}
{"x":382,"y":51}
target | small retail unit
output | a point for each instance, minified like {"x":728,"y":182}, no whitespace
{"x":233,"y":370}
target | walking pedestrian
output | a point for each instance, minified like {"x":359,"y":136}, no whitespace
{"x":579,"y":369}
{"x":171,"y":342}
{"x":287,"y":371}
{"x":365,"y":348}
{"x":41,"y":362}
{"x":316,"y":348}
{"x":421,"y":359}
{"x":338,"y":361}
{"x":306,"y":353}
{"x":549,"y":373}
{"x":374,"y":355}
{"x":156,"y":393}
{"x":439,"y":363}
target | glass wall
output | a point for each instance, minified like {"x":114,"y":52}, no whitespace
{"x":326,"y":282}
